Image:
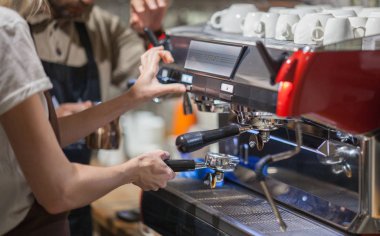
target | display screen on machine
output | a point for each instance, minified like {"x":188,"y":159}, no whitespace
{"x":213,"y":58}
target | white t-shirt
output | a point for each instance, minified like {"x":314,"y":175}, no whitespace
{"x":21,"y":76}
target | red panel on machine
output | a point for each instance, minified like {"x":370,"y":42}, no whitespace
{"x":339,"y":88}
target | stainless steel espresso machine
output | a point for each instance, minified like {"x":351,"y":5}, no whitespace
{"x":304,"y":122}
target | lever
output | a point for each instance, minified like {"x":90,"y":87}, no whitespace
{"x":187,"y":106}
{"x":272,"y":64}
{"x":155,"y":42}
{"x":196,"y":140}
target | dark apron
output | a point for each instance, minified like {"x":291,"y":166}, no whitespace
{"x":39,"y":222}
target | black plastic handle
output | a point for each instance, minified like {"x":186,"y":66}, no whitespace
{"x":181,"y":165}
{"x":272,"y":64}
{"x":151,"y":37}
{"x":196,"y":140}
{"x":187,"y":106}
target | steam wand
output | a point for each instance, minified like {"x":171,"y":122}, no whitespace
{"x":271,"y":159}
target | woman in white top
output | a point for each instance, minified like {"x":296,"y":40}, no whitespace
{"x":33,"y":168}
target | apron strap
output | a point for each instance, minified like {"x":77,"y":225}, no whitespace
{"x":85,"y":40}
{"x":52,"y":116}
{"x":92,"y":71}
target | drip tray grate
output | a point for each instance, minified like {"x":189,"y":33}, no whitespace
{"x":249,"y":210}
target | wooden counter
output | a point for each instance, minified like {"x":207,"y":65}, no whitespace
{"x":104,"y":213}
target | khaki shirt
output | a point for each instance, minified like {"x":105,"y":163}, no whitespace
{"x":117,"y":48}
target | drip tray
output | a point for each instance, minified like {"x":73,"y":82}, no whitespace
{"x":241,"y":209}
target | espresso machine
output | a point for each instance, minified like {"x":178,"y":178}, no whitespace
{"x":304,"y":122}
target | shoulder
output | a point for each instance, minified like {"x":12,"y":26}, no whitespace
{"x":101,"y":15}
{"x":9,"y":18}
{"x":108,"y":24}
{"x":12,"y":27}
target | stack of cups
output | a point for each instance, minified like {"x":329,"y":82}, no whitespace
{"x":231,"y":19}
{"x":304,"y":24}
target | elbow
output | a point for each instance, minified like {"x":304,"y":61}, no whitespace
{"x":55,"y":209}
{"x":56,"y":205}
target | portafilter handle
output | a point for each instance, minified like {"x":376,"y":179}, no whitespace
{"x":181,"y":165}
{"x":196,"y":140}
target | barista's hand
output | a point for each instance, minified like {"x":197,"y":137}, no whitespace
{"x":66,"y":109}
{"x":147,"y":13}
{"x":151,"y":172}
{"x":147,"y":85}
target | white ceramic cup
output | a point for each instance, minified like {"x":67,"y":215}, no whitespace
{"x":230,"y":19}
{"x":372,"y":26}
{"x":337,"y":30}
{"x":285,"y":27}
{"x":365,"y":12}
{"x":251,"y":21}
{"x":358,"y":26}
{"x":277,"y":9}
{"x":267,"y":25}
{"x":357,"y":9}
{"x":316,"y":8}
{"x":324,"y":6}
{"x":341,"y":12}
{"x":301,"y":12}
{"x":310,"y":28}
{"x":374,"y":14}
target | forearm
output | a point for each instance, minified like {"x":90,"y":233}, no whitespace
{"x":88,"y":183}
{"x":77,"y":185}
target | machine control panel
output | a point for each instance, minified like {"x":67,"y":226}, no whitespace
{"x":210,"y":68}
{"x":212,"y":58}
{"x":225,"y":90}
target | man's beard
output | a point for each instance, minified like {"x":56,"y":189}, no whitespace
{"x":69,"y":11}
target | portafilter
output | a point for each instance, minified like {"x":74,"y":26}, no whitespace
{"x":216,"y":161}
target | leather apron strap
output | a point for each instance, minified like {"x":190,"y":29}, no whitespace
{"x":52,"y":116}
